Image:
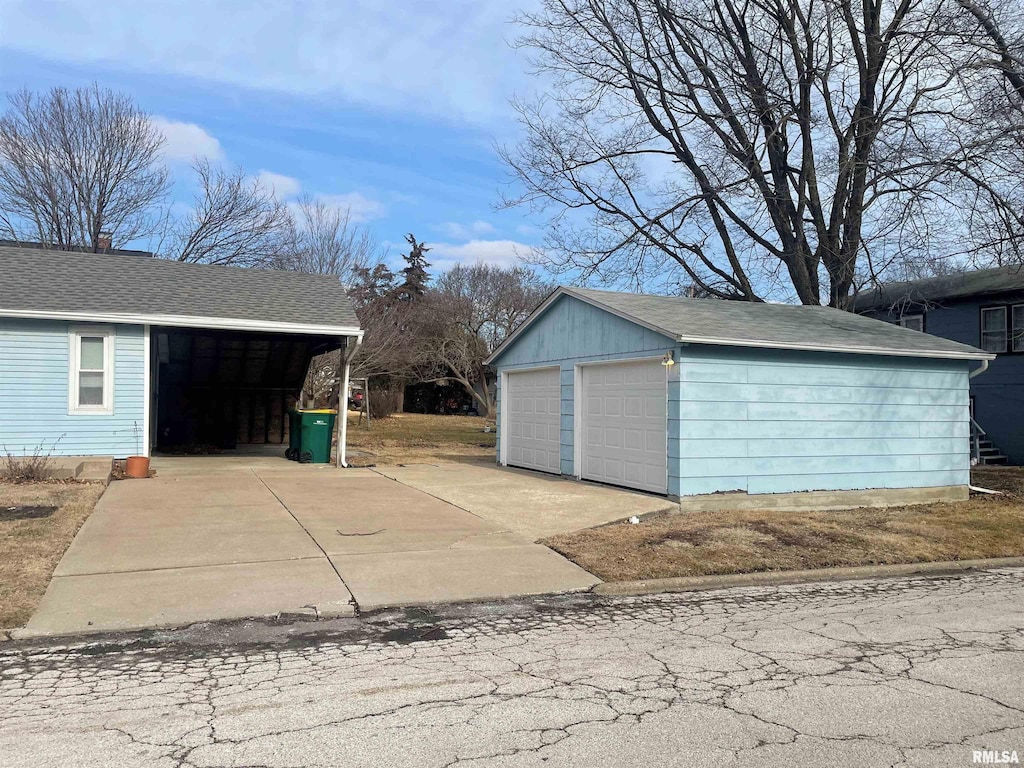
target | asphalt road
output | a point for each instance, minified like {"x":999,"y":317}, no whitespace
{"x":917,"y":672}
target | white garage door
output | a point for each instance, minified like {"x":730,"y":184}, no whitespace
{"x":533,"y":419}
{"x":624,"y":425}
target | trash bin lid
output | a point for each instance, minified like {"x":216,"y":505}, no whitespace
{"x":318,"y":410}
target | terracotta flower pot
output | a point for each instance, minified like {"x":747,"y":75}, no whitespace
{"x":137,"y":466}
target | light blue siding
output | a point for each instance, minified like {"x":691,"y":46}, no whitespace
{"x":571,"y":332}
{"x":772,"y":421}
{"x":764,"y":421}
{"x":34,"y":361}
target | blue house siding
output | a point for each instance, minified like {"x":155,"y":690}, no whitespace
{"x":571,"y":332}
{"x":34,"y":362}
{"x":766,"y":421}
{"x":999,"y":392}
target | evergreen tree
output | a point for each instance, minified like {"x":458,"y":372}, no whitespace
{"x":414,"y":284}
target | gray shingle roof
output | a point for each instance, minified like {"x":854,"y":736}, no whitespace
{"x":43,"y":281}
{"x":957,"y":286}
{"x":787,"y":326}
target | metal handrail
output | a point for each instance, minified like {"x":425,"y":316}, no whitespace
{"x":976,"y":434}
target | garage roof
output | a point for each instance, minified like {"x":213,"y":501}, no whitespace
{"x":773,"y":326}
{"x":38,"y":283}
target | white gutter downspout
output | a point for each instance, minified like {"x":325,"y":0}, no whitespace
{"x":977,"y":372}
{"x":347,"y":354}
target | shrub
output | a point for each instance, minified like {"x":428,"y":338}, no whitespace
{"x":32,"y":467}
{"x":384,"y":401}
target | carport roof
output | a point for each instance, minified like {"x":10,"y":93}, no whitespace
{"x":96,"y":287}
{"x":773,"y":326}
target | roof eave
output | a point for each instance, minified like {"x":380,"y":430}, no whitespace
{"x":761,"y":344}
{"x":188,"y":321}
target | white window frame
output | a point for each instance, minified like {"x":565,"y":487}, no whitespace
{"x":1015,"y":341}
{"x":75,"y":334}
{"x":919,"y":317}
{"x":1005,"y":330}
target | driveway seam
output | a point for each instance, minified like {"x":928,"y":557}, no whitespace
{"x":431,"y":495}
{"x":316,"y":543}
{"x":184,"y":567}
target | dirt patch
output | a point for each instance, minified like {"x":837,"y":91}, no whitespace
{"x":416,"y":438}
{"x":32,"y":545}
{"x":705,"y":543}
{"x":1006,"y":479}
{"x":25,"y":512}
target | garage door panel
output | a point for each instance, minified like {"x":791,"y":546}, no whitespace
{"x":625,"y":424}
{"x":534,"y":419}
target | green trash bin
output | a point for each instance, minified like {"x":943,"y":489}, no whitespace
{"x":317,"y":429}
{"x":294,"y":436}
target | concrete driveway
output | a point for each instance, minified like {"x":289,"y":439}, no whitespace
{"x":231,"y":539}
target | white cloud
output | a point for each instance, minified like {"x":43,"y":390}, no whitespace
{"x":186,"y":141}
{"x":283,"y":186}
{"x":449,"y":59}
{"x":458,"y":231}
{"x":501,"y":253}
{"x":361,"y":208}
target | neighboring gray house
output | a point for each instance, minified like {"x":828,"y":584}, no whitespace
{"x":112,"y":355}
{"x":697,"y":396}
{"x":984,"y":308}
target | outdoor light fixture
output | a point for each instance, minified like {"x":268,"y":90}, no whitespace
{"x":668,"y":360}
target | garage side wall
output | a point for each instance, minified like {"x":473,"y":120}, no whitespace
{"x":777,"y":421}
{"x":34,"y":363}
{"x":571,"y":332}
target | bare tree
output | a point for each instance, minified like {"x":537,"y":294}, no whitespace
{"x":995,"y":215}
{"x":236,"y":220}
{"x":757,"y":148}
{"x":392,"y":352}
{"x":325,"y":240}
{"x":1008,"y":54}
{"x":77,"y":163}
{"x":472,"y":309}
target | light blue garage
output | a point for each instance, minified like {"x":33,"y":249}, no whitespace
{"x":697,"y":396}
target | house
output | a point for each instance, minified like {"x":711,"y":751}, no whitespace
{"x":117,"y":354}
{"x":688,"y":397}
{"x":984,"y":308}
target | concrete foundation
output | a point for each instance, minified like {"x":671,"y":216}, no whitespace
{"x":823,"y":500}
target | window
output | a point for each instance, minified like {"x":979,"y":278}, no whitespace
{"x":993,"y":329}
{"x":914,"y":322}
{"x":1017,"y":329}
{"x":91,"y":382}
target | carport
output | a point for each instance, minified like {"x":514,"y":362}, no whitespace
{"x":224,"y":389}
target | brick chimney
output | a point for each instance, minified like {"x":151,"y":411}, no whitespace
{"x":104,"y":241}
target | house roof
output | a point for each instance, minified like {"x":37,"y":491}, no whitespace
{"x":139,"y":289}
{"x":772,"y":326}
{"x":956,"y":286}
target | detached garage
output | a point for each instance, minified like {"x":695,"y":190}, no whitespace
{"x":686,"y":397}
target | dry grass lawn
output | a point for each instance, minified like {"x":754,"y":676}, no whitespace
{"x":416,"y":438}
{"x":30,"y":549}
{"x":706,"y":543}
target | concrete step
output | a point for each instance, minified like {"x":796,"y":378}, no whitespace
{"x":95,"y":470}
{"x":993,"y":459}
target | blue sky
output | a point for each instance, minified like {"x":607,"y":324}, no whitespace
{"x":393,"y":111}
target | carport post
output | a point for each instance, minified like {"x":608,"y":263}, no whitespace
{"x":346,"y":362}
